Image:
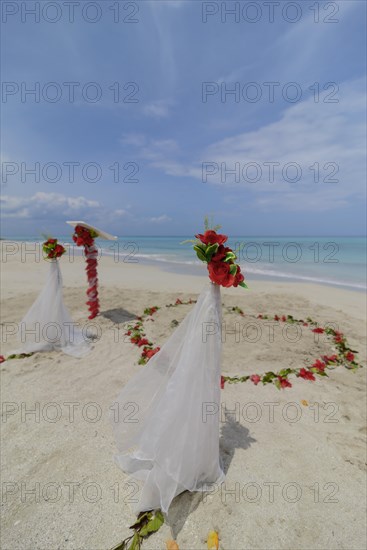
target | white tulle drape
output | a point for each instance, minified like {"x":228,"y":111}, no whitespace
{"x":166,"y":419}
{"x":48,"y":325}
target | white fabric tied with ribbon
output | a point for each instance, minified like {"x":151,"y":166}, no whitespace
{"x":166,"y":423}
{"x":47,"y":325}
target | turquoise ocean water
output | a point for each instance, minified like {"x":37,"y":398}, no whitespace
{"x":336,"y":261}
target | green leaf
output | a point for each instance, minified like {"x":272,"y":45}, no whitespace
{"x":268,"y":377}
{"x":135,"y":543}
{"x":200,"y":254}
{"x":144,"y":530}
{"x":159,"y":515}
{"x":230,"y":256}
{"x":243,"y":284}
{"x":233,"y":269}
{"x":153,"y":525}
{"x":284,"y":372}
{"x":210,"y":251}
{"x":142,"y":519}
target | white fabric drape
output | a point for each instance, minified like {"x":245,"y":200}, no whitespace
{"x":47,"y":325}
{"x":167,"y":426}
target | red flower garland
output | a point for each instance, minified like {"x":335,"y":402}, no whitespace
{"x":85,"y":237}
{"x":344,"y":356}
{"x":136,"y":333}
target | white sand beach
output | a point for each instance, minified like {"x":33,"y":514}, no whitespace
{"x":295,"y":459}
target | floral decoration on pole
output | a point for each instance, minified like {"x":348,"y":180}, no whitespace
{"x":220,"y":259}
{"x":84,"y":235}
{"x":52,"y":250}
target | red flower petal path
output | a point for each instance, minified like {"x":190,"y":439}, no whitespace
{"x":345,"y":356}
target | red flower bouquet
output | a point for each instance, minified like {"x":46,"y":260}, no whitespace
{"x":52,"y":249}
{"x":222,"y":268}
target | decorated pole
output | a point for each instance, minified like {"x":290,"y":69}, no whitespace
{"x":47,"y":325}
{"x":170,"y":392}
{"x":85,"y":235}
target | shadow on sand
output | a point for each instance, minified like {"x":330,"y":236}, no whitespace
{"x":233,"y":436}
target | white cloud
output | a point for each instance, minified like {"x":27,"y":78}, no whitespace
{"x":159,"y":149}
{"x":161,"y":108}
{"x":55,"y":207}
{"x":133,"y":140}
{"x":121,"y":213}
{"x":305,"y":134}
{"x":46,"y":205}
{"x":296,"y":201}
{"x":160,"y":219}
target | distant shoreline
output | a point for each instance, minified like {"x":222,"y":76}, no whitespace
{"x":165,"y":254}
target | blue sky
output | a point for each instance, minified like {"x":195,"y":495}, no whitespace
{"x":178,"y":141}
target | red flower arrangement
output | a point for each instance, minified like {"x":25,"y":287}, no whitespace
{"x":223,"y":270}
{"x":85,"y":237}
{"x":349,"y":356}
{"x":255,"y":378}
{"x":149,"y":352}
{"x":306,"y":374}
{"x":282,"y":382}
{"x":52,"y":250}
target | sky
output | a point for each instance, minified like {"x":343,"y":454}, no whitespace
{"x":146,"y":116}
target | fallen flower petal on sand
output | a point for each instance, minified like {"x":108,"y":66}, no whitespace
{"x":213,"y":540}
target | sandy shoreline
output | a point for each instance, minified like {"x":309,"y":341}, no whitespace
{"x":138,"y":276}
{"x":315,"y":465}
